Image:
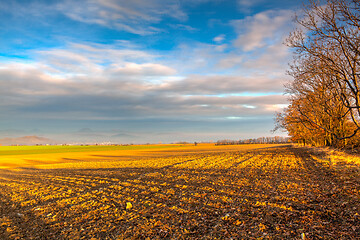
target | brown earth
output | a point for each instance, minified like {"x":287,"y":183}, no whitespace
{"x":275,"y":193}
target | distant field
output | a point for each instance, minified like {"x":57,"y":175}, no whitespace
{"x":186,"y":192}
{"x":79,"y":156}
{"x":25,"y":150}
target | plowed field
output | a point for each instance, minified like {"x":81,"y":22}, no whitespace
{"x":259,"y":192}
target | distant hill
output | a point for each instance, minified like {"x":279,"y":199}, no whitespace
{"x":26,"y":140}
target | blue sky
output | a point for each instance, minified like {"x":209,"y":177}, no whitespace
{"x":144,"y":70}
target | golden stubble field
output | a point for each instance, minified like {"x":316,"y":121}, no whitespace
{"x":202,"y":192}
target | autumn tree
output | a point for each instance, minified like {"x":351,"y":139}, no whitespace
{"x":325,"y":92}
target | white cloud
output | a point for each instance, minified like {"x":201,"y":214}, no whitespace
{"x":121,"y":81}
{"x":146,"y":69}
{"x":220,"y":84}
{"x":131,"y":16}
{"x":275,"y":107}
{"x":230,"y":61}
{"x":111,"y":97}
{"x":96,"y":60}
{"x":247,"y":6}
{"x":273,"y":60}
{"x":248,"y":3}
{"x":219,"y":38}
{"x":221,"y":48}
{"x":258,"y":31}
{"x":183,"y":27}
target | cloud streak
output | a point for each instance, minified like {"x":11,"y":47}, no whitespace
{"x":135,"y":17}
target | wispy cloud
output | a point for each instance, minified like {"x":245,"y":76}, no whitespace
{"x":262,"y":29}
{"x":220,"y":84}
{"x":219,"y":38}
{"x":132,"y":16}
{"x":248,"y":3}
{"x":183,"y":27}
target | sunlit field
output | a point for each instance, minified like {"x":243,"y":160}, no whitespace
{"x":79,"y":156}
{"x":179,"y":192}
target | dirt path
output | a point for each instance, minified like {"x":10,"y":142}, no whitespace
{"x":274,"y":193}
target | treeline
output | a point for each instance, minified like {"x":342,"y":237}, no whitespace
{"x":324,"y":93}
{"x":260,"y":140}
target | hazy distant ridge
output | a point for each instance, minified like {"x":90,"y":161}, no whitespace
{"x":26,"y":140}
